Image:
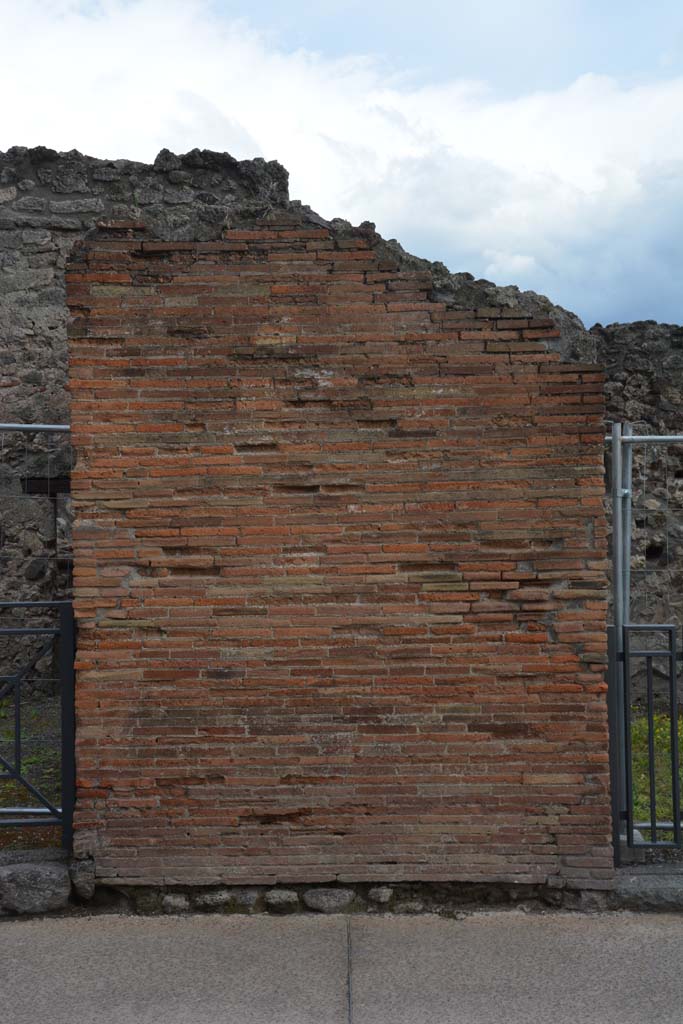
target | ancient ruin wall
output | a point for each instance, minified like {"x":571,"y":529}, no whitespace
{"x":644,"y":386}
{"x":48,"y":201}
{"x":340,"y":575}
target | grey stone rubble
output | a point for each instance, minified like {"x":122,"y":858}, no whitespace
{"x":34,"y":882}
{"x":380,"y":894}
{"x":38,"y":882}
{"x":213,"y":899}
{"x":175,"y":903}
{"x":282,"y":900}
{"x":651,"y":891}
{"x":329,"y":901}
{"x":82,"y":875}
{"x":34,"y":888}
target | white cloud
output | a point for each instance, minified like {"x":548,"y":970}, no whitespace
{"x":575,"y":191}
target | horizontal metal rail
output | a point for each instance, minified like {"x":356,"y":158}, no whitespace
{"x":28,"y":822}
{"x":35,"y":604}
{"x":648,"y":438}
{"x":37,"y":428}
{"x":20,"y":631}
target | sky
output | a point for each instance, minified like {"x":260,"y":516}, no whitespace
{"x":530,"y":142}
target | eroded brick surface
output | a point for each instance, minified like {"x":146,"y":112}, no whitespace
{"x":340,"y":573}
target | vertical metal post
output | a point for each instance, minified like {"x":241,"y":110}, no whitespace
{"x":675,"y":763}
{"x":651,"y":766}
{"x":66,"y":674}
{"x":17,"y":722}
{"x":617,"y":679}
{"x":626,"y":516}
{"x":615,"y":742}
{"x":617,"y":532}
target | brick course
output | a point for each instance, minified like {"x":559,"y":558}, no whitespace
{"x":340,"y":572}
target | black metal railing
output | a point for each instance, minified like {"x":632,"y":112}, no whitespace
{"x":46,"y":809}
{"x":646,"y":799}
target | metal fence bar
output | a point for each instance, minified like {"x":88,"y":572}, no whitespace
{"x":37,"y":428}
{"x":12,"y":774}
{"x":626,"y":511}
{"x":617,"y":531}
{"x":628,"y":755}
{"x":22,"y":631}
{"x":651,"y":748}
{"x":28,"y":822}
{"x":623,"y":787}
{"x":651,"y":439}
{"x":675,"y":765}
{"x":17,"y":723}
{"x":32,"y":604}
{"x":615,"y":743}
{"x":66,"y":671}
{"x":18,"y":810}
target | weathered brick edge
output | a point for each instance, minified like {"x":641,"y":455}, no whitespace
{"x":340,"y":573}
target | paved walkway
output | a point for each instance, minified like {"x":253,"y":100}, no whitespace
{"x":490,"y":968}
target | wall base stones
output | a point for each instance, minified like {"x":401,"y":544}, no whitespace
{"x":34,"y":888}
{"x":37,"y":885}
{"x":448,"y":899}
{"x":43,"y":881}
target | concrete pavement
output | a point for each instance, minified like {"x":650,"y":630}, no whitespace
{"x":489,"y":968}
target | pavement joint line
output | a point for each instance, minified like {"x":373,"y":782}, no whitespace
{"x":349,"y":972}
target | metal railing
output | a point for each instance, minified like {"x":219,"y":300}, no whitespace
{"x":646,"y":665}
{"x":660,"y":831}
{"x":46,"y":811}
{"x":37,"y":636}
{"x":36,"y":428}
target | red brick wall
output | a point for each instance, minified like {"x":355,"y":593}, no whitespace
{"x":340,"y":573}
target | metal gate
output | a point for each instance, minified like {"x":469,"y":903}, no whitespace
{"x":45,"y":811}
{"x":644,"y":705}
{"x":37,"y":775}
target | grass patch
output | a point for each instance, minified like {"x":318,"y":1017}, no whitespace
{"x":41,"y":765}
{"x":662,"y":767}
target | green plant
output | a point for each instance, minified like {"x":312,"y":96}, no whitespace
{"x":640,"y":762}
{"x":40,"y":764}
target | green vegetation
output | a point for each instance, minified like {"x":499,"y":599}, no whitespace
{"x":40,"y":765}
{"x":662,"y":760}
